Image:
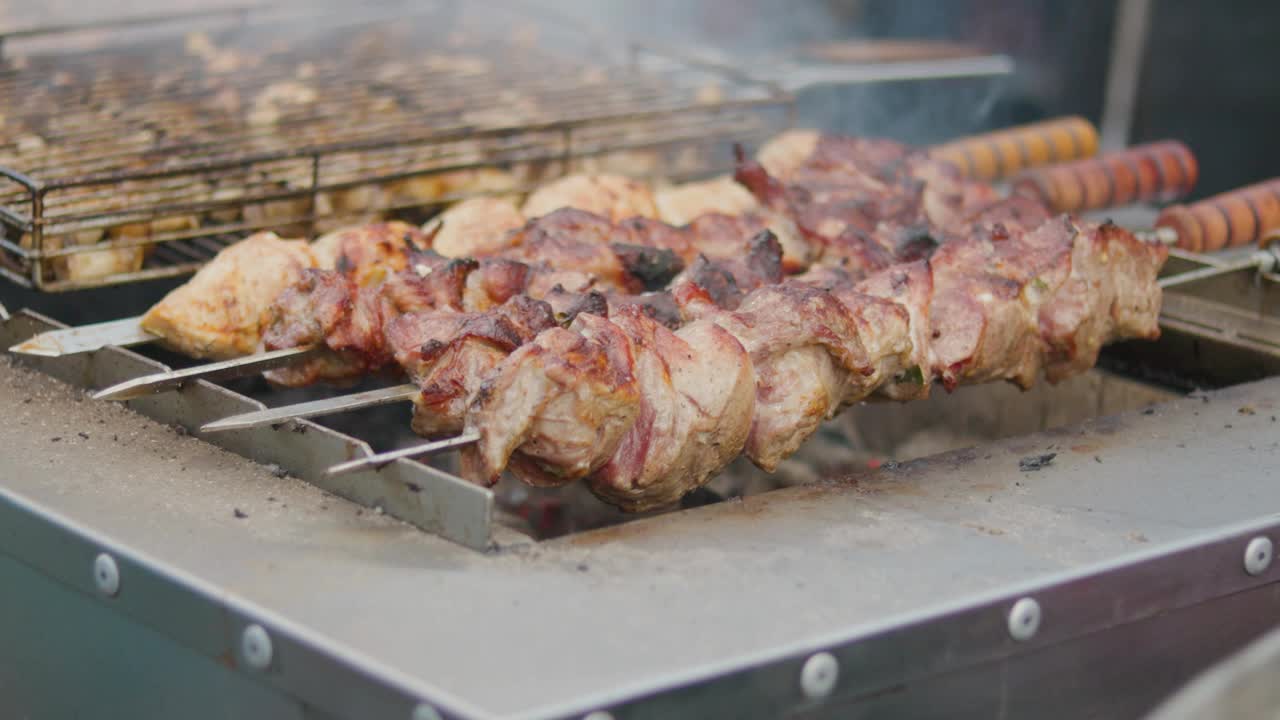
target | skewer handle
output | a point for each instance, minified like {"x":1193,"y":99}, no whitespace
{"x":1159,"y":171}
{"x":1235,"y":218}
{"x":1004,"y":153}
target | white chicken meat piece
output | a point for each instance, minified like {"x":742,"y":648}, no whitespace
{"x":680,"y":204}
{"x":474,"y":227}
{"x":786,"y":152}
{"x":611,"y":196}
{"x":222,"y":311}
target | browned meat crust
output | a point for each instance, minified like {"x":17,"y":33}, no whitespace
{"x":645,"y":414}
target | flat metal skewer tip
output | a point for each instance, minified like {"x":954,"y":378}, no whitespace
{"x":313,"y":408}
{"x":380,"y":460}
{"x":174,"y":379}
{"x":126,"y":332}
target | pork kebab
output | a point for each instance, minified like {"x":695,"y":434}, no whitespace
{"x":820,"y":196}
{"x":644,"y":413}
{"x":328,"y":324}
{"x":862,"y":204}
{"x":446,"y":323}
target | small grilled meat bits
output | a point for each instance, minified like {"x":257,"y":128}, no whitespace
{"x":723,"y":208}
{"x":604,"y":402}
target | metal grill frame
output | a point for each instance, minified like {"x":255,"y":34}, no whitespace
{"x":554,"y":146}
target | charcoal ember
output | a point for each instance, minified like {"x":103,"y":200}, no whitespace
{"x":1032,"y":463}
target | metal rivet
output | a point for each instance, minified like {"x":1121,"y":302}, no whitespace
{"x":1257,"y":556}
{"x":106,"y":575}
{"x":255,"y":646}
{"x":426,"y":712}
{"x":1024,"y":619}
{"x":598,"y":715}
{"x":819,"y":675}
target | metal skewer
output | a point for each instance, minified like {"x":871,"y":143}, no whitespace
{"x":240,"y":367}
{"x":384,"y":396}
{"x":382,"y":459}
{"x":1264,"y":261}
{"x":125,"y":332}
{"x":314,"y":408}
{"x":174,"y":379}
{"x":1043,"y":138}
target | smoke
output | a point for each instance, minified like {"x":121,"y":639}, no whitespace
{"x":756,"y":35}
{"x":761,"y":37}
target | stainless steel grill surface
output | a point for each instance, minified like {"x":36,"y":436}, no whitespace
{"x":905,"y":575}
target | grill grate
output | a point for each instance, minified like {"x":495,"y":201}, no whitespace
{"x":162,"y":147}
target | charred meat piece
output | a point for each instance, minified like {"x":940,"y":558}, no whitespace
{"x":727,"y":232}
{"x":653,"y":267}
{"x":574,"y":240}
{"x":726,"y":280}
{"x":661,"y":307}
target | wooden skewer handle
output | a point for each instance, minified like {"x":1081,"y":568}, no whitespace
{"x":1235,"y":218}
{"x":1159,"y":171}
{"x":1004,"y":153}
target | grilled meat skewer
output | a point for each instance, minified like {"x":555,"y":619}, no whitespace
{"x":445,"y":349}
{"x":572,"y":255}
{"x":863,"y":204}
{"x":218,"y":314}
{"x":336,"y":326}
{"x":431,"y":326}
{"x":645,"y":414}
{"x":221,"y":312}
